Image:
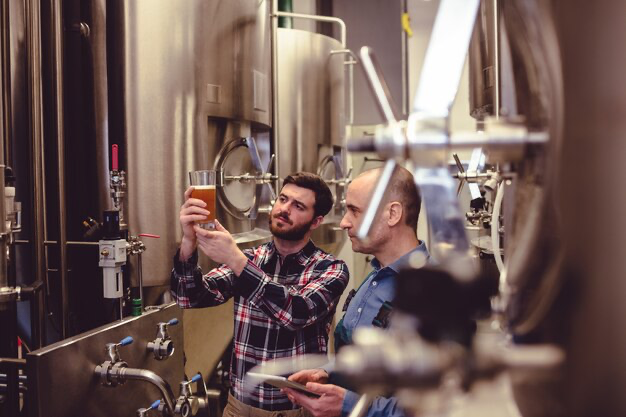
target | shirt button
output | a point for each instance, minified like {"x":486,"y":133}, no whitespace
{"x":374,"y":283}
{"x":359,"y":309}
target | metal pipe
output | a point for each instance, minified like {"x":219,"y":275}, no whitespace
{"x":57,"y":57}
{"x":496,"y":58}
{"x":274,"y":65}
{"x":97,"y":42}
{"x":350,"y":64}
{"x":351,"y":92}
{"x":33,"y":47}
{"x":149,"y":376}
{"x":140,"y":278}
{"x":341,"y":23}
{"x":54,"y":242}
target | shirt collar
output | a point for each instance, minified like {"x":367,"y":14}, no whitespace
{"x":404,"y":260}
{"x":302,"y":256}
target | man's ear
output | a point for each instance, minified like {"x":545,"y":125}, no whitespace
{"x":317,"y":222}
{"x":395,"y":211}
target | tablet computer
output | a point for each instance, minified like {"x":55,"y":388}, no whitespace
{"x":282,"y":382}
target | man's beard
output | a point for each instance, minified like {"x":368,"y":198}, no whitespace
{"x":294,"y":234}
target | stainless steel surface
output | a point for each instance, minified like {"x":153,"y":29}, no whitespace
{"x":311,"y":126}
{"x":235,"y":39}
{"x":98,"y":53}
{"x":61,"y":379}
{"x":57,"y":57}
{"x":33,"y":50}
{"x":350,"y":63}
{"x":310,"y":100}
{"x":196,"y":75}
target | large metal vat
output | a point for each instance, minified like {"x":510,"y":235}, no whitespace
{"x":311,"y":116}
{"x":196,"y":75}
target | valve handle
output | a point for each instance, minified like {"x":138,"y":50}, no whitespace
{"x":173,"y":322}
{"x":149,"y":235}
{"x":114,"y":158}
{"x":196,"y":378}
{"x":155,"y":405}
{"x":126,"y":341}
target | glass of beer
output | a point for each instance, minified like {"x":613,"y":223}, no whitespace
{"x":203,"y":183}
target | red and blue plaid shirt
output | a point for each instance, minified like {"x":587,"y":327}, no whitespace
{"x":283,"y":307}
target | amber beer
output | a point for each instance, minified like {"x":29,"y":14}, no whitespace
{"x":203,"y":183}
{"x":206,"y":193}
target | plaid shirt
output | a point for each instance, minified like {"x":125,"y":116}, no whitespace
{"x":283,"y":308}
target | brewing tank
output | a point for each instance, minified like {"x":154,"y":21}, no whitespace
{"x":311,"y":116}
{"x":195,"y":76}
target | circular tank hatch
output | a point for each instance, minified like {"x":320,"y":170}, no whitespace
{"x":237,"y":195}
{"x":330,"y":172}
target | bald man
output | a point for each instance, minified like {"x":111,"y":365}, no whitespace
{"x":393,"y":242}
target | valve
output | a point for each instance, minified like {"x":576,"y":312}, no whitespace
{"x":109,"y":368}
{"x":187,"y":404}
{"x":163,"y":347}
{"x":143,"y":412}
{"x":117,"y":183}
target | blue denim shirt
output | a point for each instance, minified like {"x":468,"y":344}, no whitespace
{"x":378,"y":287}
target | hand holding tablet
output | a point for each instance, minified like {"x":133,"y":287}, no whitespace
{"x":282,"y":382}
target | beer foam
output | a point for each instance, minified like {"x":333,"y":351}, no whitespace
{"x":204,"y":187}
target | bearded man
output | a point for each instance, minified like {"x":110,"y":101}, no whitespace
{"x":285,"y":291}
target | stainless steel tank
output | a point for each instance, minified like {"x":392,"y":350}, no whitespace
{"x":311,"y":116}
{"x":196,"y":75}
